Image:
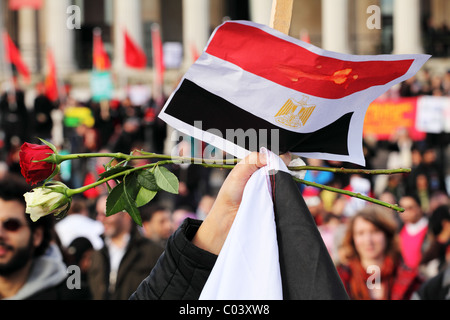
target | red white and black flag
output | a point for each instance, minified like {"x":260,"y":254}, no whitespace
{"x":255,"y":87}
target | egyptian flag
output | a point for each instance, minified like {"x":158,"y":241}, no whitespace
{"x":134,"y":56}
{"x":13,"y":56}
{"x":100,"y":58}
{"x":256,"y":87}
{"x":273,"y":250}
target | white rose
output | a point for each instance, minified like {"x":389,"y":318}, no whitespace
{"x":43,"y":201}
{"x":297,"y":162}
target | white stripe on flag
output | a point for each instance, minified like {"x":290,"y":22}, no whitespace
{"x":247,"y":267}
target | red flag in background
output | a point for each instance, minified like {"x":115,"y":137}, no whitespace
{"x":194,"y":52}
{"x":134,"y":55}
{"x":100,"y":58}
{"x":13,"y":56}
{"x":19,"y":4}
{"x":158,"y":56}
{"x":51,"y":83}
{"x":304,"y":36}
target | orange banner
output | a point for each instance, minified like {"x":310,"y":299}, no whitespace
{"x":385,"y":117}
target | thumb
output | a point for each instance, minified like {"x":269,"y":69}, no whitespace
{"x":247,"y":166}
{"x":233,"y":187}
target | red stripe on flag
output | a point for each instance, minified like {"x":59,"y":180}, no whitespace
{"x":295,"y":67}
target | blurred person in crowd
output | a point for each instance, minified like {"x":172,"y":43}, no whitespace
{"x":389,"y":197}
{"x":14,"y":120}
{"x":332,"y":230}
{"x":156,"y":223}
{"x":43,"y":108}
{"x":77,"y":224}
{"x":439,"y":238}
{"x":410,"y":87}
{"x":78,"y":254}
{"x":30,"y":267}
{"x":438,"y":286}
{"x":432,"y":169}
{"x":436,"y":86}
{"x":13,"y":158}
{"x":95,"y":167}
{"x":193,"y":179}
{"x":106,"y":119}
{"x":409,"y":180}
{"x":316,"y":208}
{"x":204,"y":206}
{"x":400,"y":146}
{"x":423,"y":192}
{"x":446,"y":83}
{"x":130,"y":129}
{"x":159,"y":127}
{"x":179,"y":215}
{"x":413,"y":234}
{"x":373,"y":268}
{"x":3,"y":170}
{"x":438,"y":198}
{"x":361,"y":185}
{"x":395,"y":185}
{"x":321,"y":177}
{"x":124,"y":261}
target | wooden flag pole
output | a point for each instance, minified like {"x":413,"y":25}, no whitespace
{"x":280,"y":18}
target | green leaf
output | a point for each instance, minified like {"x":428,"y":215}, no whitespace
{"x":147,"y":179}
{"x":115,"y":201}
{"x":128,"y":196}
{"x":50,"y":145}
{"x":55,"y":172}
{"x":166,"y":180}
{"x":130,"y":206}
{"x":144,"y":196}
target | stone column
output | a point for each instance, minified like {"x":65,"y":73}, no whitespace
{"x":196,"y":28}
{"x":127,"y":16}
{"x":27,"y":37}
{"x":60,"y":38}
{"x":407,"y":35}
{"x":260,"y":11}
{"x":335,"y":33}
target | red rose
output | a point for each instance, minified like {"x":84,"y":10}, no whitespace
{"x":35,"y":172}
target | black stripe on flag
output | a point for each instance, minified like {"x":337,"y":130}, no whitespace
{"x":307,"y":270}
{"x":192,"y":103}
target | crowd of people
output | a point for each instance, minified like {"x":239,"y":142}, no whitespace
{"x":410,"y":249}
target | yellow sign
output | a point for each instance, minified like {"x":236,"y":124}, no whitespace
{"x":295,"y":114}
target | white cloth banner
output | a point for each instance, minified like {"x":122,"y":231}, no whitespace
{"x":247,"y":267}
{"x":432,"y":114}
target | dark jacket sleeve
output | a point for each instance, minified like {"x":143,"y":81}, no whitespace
{"x":181,"y":271}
